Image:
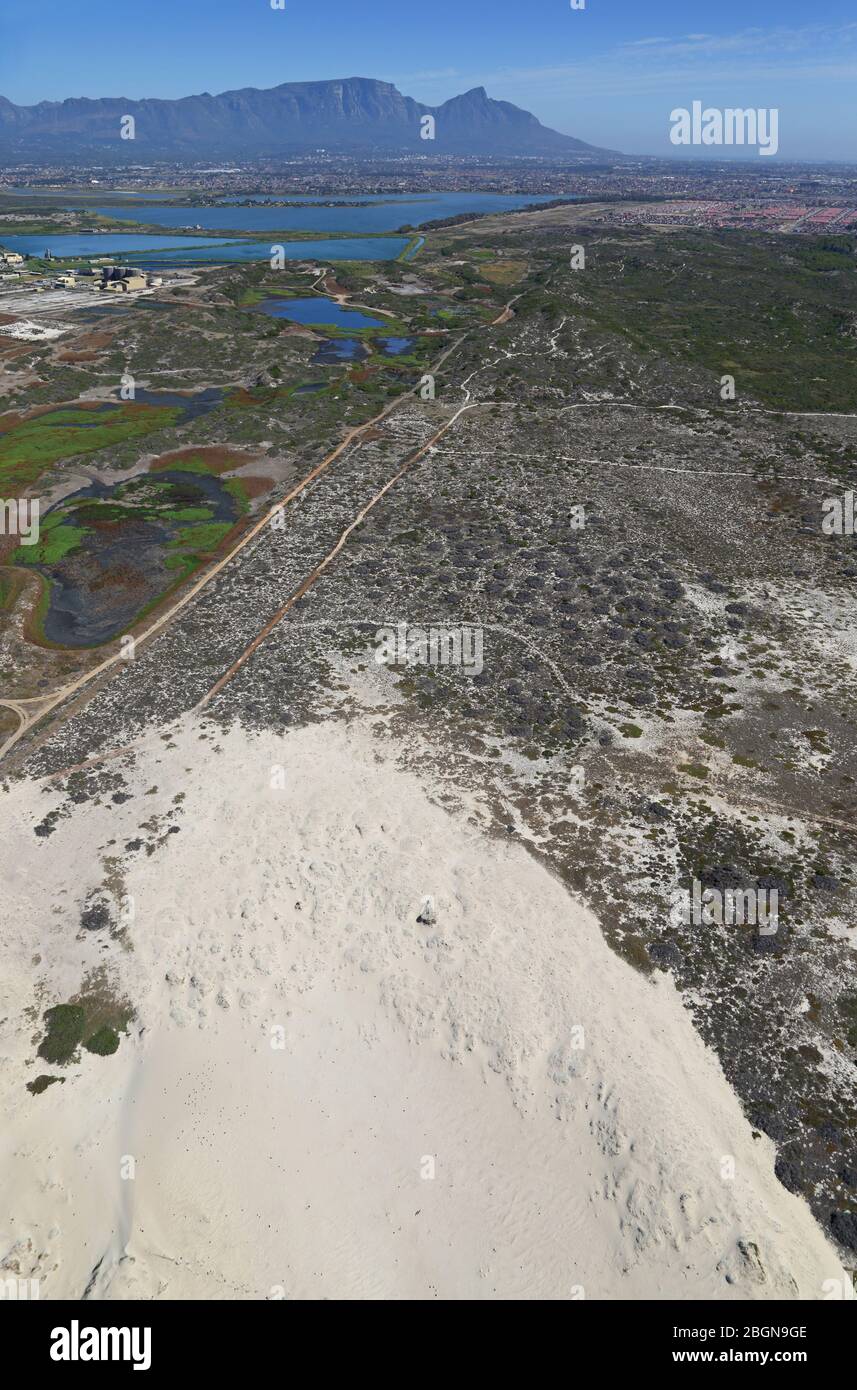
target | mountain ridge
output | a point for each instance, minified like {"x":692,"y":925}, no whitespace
{"x":354,"y":113}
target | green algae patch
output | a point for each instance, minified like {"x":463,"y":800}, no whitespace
{"x":194,"y":543}
{"x":56,"y":540}
{"x":30,"y":447}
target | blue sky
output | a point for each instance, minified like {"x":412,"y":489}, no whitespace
{"x":610,"y":73}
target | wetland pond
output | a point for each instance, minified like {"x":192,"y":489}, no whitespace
{"x":320,"y":312}
{"x":324,"y":312}
{"x":110,"y":551}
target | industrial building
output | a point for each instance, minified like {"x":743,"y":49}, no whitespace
{"x":121,"y":278}
{"x":125,"y":284}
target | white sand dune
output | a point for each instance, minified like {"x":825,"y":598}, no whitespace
{"x":435,"y":1125}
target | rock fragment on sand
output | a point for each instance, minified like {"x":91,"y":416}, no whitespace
{"x":428,"y":916}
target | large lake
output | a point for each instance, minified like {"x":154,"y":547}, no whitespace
{"x":359,"y":248}
{"x":385,"y":215}
{"x":376,"y":213}
{"x":108,"y":244}
{"x":190,"y":251}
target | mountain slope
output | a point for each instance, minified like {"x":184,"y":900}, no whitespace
{"x":356,"y":113}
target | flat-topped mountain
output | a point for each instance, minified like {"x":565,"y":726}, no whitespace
{"x":356,"y":113}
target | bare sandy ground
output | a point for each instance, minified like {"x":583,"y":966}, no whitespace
{"x":321,"y":1096}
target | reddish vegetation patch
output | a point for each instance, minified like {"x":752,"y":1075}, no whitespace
{"x":94,"y":342}
{"x":255,"y":487}
{"x":359,"y":374}
{"x":86,"y":348}
{"x":12,"y":347}
{"x":242,"y":399}
{"x":331,"y":286}
{"x":31,"y":606}
{"x":13,"y":418}
{"x":120,"y":577}
{"x":216,"y":457}
{"x":7,"y":545}
{"x":294,"y":330}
